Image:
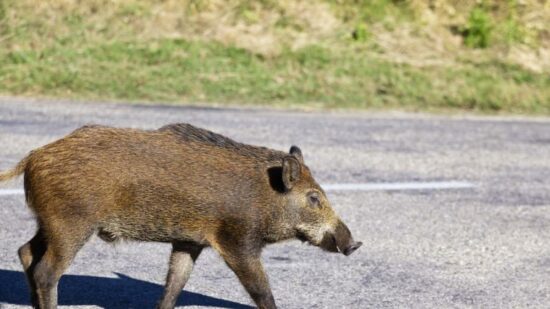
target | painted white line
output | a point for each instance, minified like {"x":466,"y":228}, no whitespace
{"x":394,"y":186}
{"x":382,"y":186}
{"x":4,"y":192}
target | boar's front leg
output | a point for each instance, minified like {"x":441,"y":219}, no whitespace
{"x":182,"y":260}
{"x":251,"y":273}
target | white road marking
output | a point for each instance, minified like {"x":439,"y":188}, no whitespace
{"x":394,"y":186}
{"x":381,"y":186}
{"x":4,"y":192}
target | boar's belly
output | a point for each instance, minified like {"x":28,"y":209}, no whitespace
{"x":150,"y":231}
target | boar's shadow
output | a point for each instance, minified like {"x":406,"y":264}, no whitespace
{"x":121,"y":292}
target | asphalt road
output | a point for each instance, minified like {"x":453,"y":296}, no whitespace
{"x":481,"y":247}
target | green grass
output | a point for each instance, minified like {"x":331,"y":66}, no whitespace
{"x":185,"y":71}
{"x":92,"y":51}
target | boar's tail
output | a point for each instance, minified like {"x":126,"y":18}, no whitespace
{"x":16,"y":171}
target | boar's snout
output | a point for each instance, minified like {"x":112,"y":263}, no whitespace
{"x":349,"y":250}
{"x":340,"y":241}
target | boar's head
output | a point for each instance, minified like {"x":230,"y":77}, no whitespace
{"x":316,"y":222}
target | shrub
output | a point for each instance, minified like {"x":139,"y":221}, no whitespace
{"x":360,"y":33}
{"x":477,"y":32}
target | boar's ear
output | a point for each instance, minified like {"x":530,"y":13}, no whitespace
{"x":297,"y":152}
{"x":291,"y":171}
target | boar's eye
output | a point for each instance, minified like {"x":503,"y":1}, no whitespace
{"x":313,"y":200}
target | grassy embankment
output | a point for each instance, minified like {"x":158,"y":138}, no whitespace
{"x":337,"y":54}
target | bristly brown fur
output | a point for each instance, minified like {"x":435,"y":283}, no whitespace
{"x":189,"y":133}
{"x":181,"y":185}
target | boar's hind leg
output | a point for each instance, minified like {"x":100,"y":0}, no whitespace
{"x":29,"y":254}
{"x":251,"y":273}
{"x":182,"y":259}
{"x":60,"y":246}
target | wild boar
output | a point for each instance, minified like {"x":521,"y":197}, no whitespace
{"x":179,"y":184}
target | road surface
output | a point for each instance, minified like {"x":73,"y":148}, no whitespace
{"x":485,"y":246}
